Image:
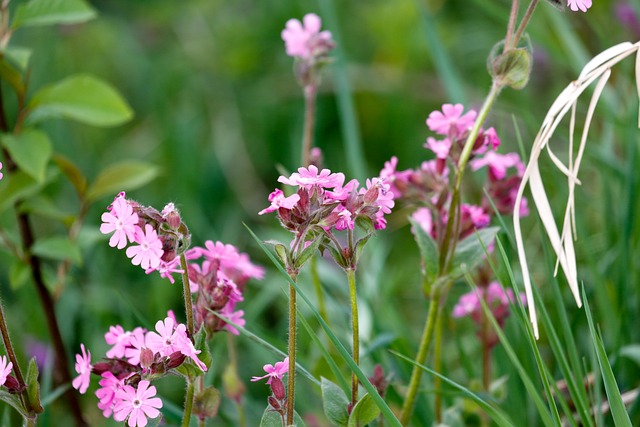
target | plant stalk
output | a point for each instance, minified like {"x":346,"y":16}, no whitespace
{"x":351,"y":275}
{"x":437,"y":366}
{"x":291,"y":380}
{"x":310,"y":91}
{"x":188,"y":404}
{"x":423,"y":350}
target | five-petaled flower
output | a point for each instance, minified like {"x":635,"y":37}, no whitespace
{"x":5,"y":369}
{"x":149,"y":250}
{"x":304,"y":39}
{"x":122,"y":221}
{"x":137,"y":404}
{"x":274,"y":371}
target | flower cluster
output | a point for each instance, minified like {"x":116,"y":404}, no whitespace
{"x":324,"y":204}
{"x":157,"y":238}
{"x":219,"y":281}
{"x":275,"y":373}
{"x":497,"y":300}
{"x":429,"y":186}
{"x":135,"y":358}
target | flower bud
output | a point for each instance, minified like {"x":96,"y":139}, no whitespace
{"x":274,"y":404}
{"x":146,"y":358}
{"x":277,"y":388}
{"x":133,"y":380}
{"x":175,"y":359}
{"x":12,"y":385}
{"x":172,"y":216}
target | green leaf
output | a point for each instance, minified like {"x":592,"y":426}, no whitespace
{"x":33,"y":386}
{"x":12,"y":76}
{"x":632,"y":352}
{"x":18,"y":56}
{"x":270,"y":418}
{"x":618,"y":410}
{"x":307,"y":252}
{"x":83,"y":98}
{"x":359,"y":247}
{"x":201,"y":344}
{"x":72,"y":172}
{"x":471,"y":251}
{"x":19,"y":273}
{"x":44,"y":206}
{"x":13,"y":400}
{"x":48,"y":12}
{"x":126,"y":175}
{"x":19,"y":186}
{"x":428,"y":251}
{"x":31,"y":150}
{"x":364,"y":412}
{"x":59,"y":248}
{"x":334,"y":403}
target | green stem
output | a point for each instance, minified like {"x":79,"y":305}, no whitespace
{"x":513,"y":16}
{"x":186,"y":289}
{"x":188,"y":404}
{"x":351,"y":275}
{"x":523,"y":24}
{"x":437,"y":365}
{"x":309,"y":119}
{"x":233,"y":360}
{"x":486,"y":353}
{"x":291,"y":380}
{"x":423,"y":350}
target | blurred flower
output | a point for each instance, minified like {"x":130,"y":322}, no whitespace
{"x":496,"y":298}
{"x":5,"y":369}
{"x":149,"y":250}
{"x":1,"y":175}
{"x":498,"y":164}
{"x":304,"y":39}
{"x":83,"y":368}
{"x":137,"y":404}
{"x":626,"y":15}
{"x":274,"y":371}
{"x":576,"y":5}
{"x":451,"y":121}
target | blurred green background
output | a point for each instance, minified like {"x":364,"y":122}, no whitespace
{"x":218,"y":110}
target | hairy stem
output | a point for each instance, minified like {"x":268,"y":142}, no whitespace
{"x":351,"y":275}
{"x":309,"y":120}
{"x":437,"y":366}
{"x":186,"y":290}
{"x":188,"y":404}
{"x":423,"y":350}
{"x":513,"y":16}
{"x":291,"y":380}
{"x":523,"y":24}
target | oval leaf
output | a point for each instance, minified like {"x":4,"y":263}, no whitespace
{"x":126,"y":175}
{"x":270,"y":418}
{"x":48,"y":12}
{"x":471,"y":250}
{"x":72,"y":172}
{"x":364,"y":412}
{"x":428,"y":250}
{"x":83,"y":98}
{"x":19,"y":186}
{"x":334,"y":403}
{"x":58,"y":248}
{"x":33,"y":386}
{"x":31,"y":150}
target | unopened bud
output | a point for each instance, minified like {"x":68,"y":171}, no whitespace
{"x":133,"y":380}
{"x":274,"y":403}
{"x":146,"y":358}
{"x":100,"y":368}
{"x":12,"y":385}
{"x":172,"y":216}
{"x":233,"y":386}
{"x":371,"y":195}
{"x":175,"y":359}
{"x":277,"y":388}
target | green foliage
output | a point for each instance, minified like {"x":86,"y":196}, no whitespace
{"x":471,"y":251}
{"x":334,"y":403}
{"x":83,"y":98}
{"x":364,"y":412}
{"x":31,"y":150}
{"x":125,"y":175}
{"x":33,"y":387}
{"x":428,"y":251}
{"x":59,"y":248}
{"x":48,"y":12}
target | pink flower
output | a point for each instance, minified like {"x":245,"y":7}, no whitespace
{"x":344,"y":218}
{"x":166,"y":269}
{"x":304,"y":39}
{"x":119,"y":339}
{"x":137,"y":404}
{"x":451,"y":121}
{"x":278,"y":201}
{"x":136,"y":343}
{"x":109,"y":385}
{"x":83,"y":368}
{"x":277,"y":371}
{"x":576,"y":5}
{"x":149,"y":250}
{"x":122,"y":221}
{"x":308,"y":178}
{"x":496,"y":298}
{"x":440,"y":148}
{"x":1,"y":172}
{"x":498,"y":164}
{"x":424,"y":219}
{"x":5,"y":368}
{"x":169,"y":338}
